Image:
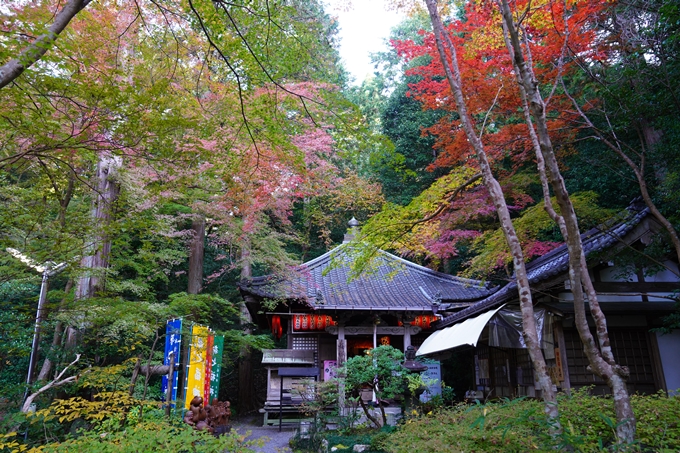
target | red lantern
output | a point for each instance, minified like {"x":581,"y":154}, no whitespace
{"x":424,"y":321}
{"x":312,"y":322}
{"x":277,"y":330}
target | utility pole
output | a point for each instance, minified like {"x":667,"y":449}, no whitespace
{"x":48,"y":269}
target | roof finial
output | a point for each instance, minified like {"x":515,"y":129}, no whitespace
{"x":352,"y":230}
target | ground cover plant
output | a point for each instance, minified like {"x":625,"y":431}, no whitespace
{"x":520,"y":425}
{"x":139,"y":428}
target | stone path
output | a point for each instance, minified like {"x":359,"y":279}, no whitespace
{"x":275,"y":441}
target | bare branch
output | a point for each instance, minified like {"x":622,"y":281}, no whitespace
{"x":57,"y":382}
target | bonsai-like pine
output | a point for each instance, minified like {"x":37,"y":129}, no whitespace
{"x":380,"y":369}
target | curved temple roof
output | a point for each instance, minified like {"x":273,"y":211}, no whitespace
{"x":390,"y":283}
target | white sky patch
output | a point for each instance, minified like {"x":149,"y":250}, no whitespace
{"x":364,"y":24}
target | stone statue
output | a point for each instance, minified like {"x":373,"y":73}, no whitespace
{"x":213,"y":418}
{"x":196,"y":415}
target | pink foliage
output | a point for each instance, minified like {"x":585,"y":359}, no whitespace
{"x":539,"y":248}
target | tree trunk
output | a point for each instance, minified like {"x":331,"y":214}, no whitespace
{"x":96,"y":262}
{"x":452,"y":71}
{"x":367,"y":412}
{"x":246,"y":401}
{"x":602,"y":363}
{"x":196,"y":254}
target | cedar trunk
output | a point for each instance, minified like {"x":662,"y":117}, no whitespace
{"x":246,"y":400}
{"x":96,"y":262}
{"x":450,"y":63}
{"x":196,"y":254}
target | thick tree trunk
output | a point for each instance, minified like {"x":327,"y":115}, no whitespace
{"x":96,"y":263}
{"x":602,"y":363}
{"x":196,"y":254}
{"x":452,"y":71}
{"x":16,"y":66}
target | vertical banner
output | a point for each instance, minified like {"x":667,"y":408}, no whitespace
{"x":173,"y":340}
{"x":196,"y":366}
{"x":218,"y":347}
{"x":208,"y":370}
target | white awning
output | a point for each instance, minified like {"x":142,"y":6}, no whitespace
{"x":466,"y":332}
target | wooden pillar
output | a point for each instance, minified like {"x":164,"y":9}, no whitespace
{"x":341,"y":345}
{"x":406,"y":321}
{"x":559,"y":341}
{"x":341,"y":358}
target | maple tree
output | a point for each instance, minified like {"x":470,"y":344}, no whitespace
{"x":447,"y":53}
{"x":492,"y":64}
{"x":193,"y":138}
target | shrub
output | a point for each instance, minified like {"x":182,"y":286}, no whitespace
{"x":520,"y":425}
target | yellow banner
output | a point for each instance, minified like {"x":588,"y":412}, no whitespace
{"x":197,"y":356}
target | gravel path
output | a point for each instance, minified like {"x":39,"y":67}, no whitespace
{"x":276,"y":442}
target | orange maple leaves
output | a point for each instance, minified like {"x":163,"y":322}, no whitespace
{"x":558,"y":36}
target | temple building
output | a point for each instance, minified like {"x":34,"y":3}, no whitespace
{"x":328,"y":315}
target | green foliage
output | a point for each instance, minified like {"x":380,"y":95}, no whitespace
{"x":103,"y":405}
{"x":114,"y":327}
{"x":404,"y":173}
{"x":521,"y":425}
{"x":380,"y":369}
{"x":115,"y":422}
{"x":399,"y":227}
{"x":345,"y":441}
{"x":202,"y":308}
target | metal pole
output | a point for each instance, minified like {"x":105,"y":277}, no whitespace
{"x":36,"y":331}
{"x":171,"y":383}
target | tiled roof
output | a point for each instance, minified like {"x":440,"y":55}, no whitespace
{"x":556,"y":262}
{"x":392,"y":283}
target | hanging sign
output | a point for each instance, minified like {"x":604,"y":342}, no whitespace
{"x":424,"y":321}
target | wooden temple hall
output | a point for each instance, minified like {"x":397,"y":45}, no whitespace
{"x":329,"y":316}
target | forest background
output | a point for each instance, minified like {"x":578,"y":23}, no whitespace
{"x":164,"y":150}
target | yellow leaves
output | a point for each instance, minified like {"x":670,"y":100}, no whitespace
{"x":105,"y":377}
{"x":104,"y":405}
{"x":6,"y":443}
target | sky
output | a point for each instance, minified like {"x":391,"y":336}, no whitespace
{"x":363,"y":26}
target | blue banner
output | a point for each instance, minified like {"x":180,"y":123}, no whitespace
{"x":173,"y":340}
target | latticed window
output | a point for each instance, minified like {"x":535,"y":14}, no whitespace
{"x":307,"y":343}
{"x":631,"y":348}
